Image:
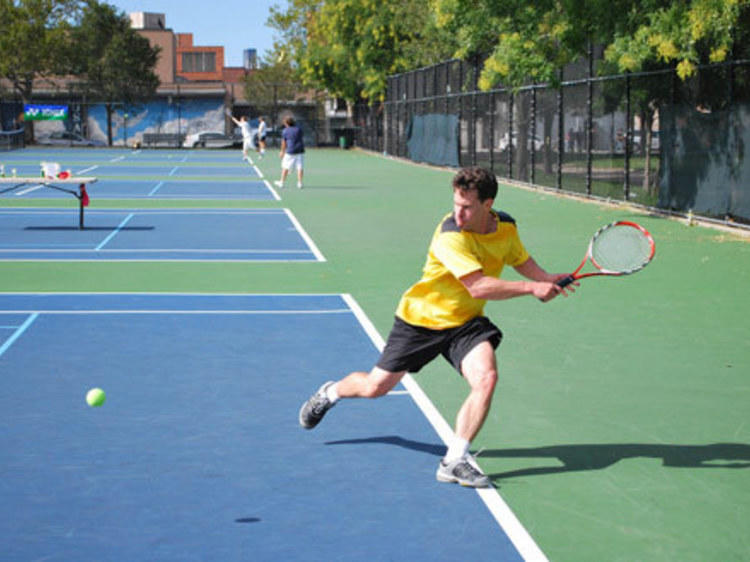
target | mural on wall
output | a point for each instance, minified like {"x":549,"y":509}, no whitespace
{"x":130,"y":124}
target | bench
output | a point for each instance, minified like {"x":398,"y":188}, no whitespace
{"x":162,"y":139}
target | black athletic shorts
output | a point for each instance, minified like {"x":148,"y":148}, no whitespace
{"x":409,"y":348}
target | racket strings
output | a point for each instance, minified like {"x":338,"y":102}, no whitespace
{"x":621,"y":249}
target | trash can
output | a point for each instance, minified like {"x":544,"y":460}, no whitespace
{"x":345,"y":136}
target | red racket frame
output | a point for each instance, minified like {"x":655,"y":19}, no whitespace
{"x":605,"y":272}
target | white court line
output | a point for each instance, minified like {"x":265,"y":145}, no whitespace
{"x":272,"y":190}
{"x":257,"y":171}
{"x":158,"y":186}
{"x":507,"y":520}
{"x":17,"y":334}
{"x":114,"y":232}
{"x":30,"y":189}
{"x":87,"y":170}
{"x":118,"y":159}
{"x":305,"y":237}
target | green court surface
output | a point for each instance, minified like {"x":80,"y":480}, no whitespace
{"x":620,"y":428}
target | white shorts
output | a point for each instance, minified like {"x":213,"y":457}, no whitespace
{"x":293,"y":160}
{"x":247,"y":144}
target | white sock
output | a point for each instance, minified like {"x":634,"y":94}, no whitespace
{"x":457,"y":448}
{"x":331,"y":393}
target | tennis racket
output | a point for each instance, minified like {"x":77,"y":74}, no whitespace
{"x":619,"y":248}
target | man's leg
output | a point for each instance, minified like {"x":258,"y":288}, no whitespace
{"x":479,"y":368}
{"x":368,"y":385}
{"x":284,"y":173}
{"x":355,"y":385}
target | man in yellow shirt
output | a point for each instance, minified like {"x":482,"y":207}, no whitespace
{"x":443,"y":314}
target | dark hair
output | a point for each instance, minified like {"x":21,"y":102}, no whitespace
{"x":477,"y":178}
{"x":289,"y":121}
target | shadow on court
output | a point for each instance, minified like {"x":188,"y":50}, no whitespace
{"x":596,"y":457}
{"x":577,"y":458}
{"x":435,"y":450}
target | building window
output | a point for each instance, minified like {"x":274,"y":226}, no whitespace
{"x":199,"y":62}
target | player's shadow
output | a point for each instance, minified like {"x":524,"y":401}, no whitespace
{"x":574,"y":458}
{"x":429,"y":448}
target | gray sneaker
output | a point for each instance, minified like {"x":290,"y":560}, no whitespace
{"x":462,"y":472}
{"x":315,"y":408}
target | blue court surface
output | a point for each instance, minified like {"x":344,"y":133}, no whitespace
{"x":155,"y":234}
{"x":197,"y":453}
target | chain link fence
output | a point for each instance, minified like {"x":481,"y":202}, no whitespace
{"x":648,"y":138}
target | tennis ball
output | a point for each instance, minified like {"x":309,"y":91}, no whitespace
{"x":95,"y":397}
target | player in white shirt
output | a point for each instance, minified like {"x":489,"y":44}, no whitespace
{"x":247,"y":136}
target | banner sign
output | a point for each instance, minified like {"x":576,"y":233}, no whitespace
{"x":37,"y":112}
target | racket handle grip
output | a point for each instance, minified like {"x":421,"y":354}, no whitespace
{"x":565,"y":281}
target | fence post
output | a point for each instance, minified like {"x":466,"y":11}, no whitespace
{"x":511,"y":95}
{"x":589,"y":115}
{"x":447,"y":87}
{"x":560,"y":131}
{"x":628,"y":135}
{"x":492,"y":130}
{"x":460,"y":106}
{"x":532,"y":159}
{"x":474,"y":86}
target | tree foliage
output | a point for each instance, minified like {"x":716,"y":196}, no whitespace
{"x":115,"y":63}
{"x":83,"y":39}
{"x":350,"y":47}
{"x":35,"y":40}
{"x":113,"y":60}
{"x":273,"y":81}
{"x":683,"y":33}
{"x":529,"y":42}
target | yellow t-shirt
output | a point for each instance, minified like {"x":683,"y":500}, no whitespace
{"x":439,"y":300}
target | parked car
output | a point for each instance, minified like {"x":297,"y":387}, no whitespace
{"x":503,"y":144}
{"x":208,"y":139}
{"x":68,"y":138}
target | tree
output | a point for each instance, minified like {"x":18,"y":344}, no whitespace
{"x":35,"y":42}
{"x":530,"y":42}
{"x":350,"y":47}
{"x":114,"y":61}
{"x":686,"y":34}
{"x":273,"y":81}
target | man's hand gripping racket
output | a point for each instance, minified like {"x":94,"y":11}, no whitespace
{"x":619,"y":248}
